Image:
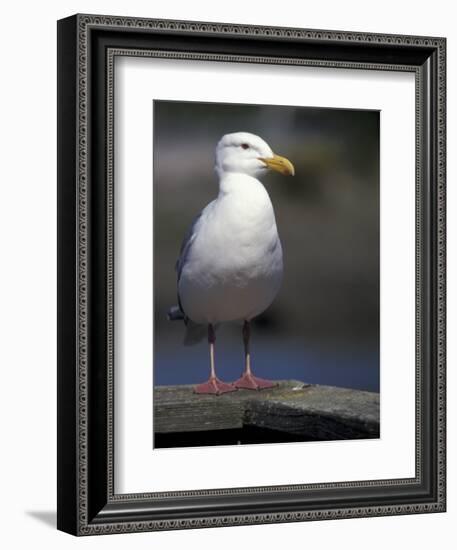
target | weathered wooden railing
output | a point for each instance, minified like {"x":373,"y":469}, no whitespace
{"x":292,"y":411}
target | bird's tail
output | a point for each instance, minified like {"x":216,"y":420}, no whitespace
{"x":194,"y":333}
{"x":175,"y":314}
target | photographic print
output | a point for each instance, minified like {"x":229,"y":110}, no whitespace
{"x":237,"y":285}
{"x":266,"y":274}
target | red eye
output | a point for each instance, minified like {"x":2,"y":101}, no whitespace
{"x":245,"y":146}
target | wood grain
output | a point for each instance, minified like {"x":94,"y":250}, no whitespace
{"x":312,"y":412}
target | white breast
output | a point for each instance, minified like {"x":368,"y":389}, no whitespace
{"x":233,"y":269}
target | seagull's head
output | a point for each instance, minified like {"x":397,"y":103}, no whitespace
{"x":245,"y":153}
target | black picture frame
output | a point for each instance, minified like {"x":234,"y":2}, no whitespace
{"x":87,"y":45}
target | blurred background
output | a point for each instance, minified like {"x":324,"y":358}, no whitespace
{"x":323,"y":328}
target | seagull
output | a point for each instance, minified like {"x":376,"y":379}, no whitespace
{"x":230,"y":265}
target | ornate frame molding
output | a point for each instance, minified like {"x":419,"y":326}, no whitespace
{"x":85,"y":509}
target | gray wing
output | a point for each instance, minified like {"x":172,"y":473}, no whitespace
{"x":194,"y":332}
{"x":188,"y":240}
{"x":186,"y":245}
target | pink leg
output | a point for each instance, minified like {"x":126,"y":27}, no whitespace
{"x":248,"y":381}
{"x":213,"y":385}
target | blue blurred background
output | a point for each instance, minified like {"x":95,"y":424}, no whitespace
{"x":323,"y":328}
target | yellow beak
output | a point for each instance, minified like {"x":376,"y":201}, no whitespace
{"x":280,"y":164}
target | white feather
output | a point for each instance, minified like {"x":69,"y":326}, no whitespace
{"x":231,"y":264}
